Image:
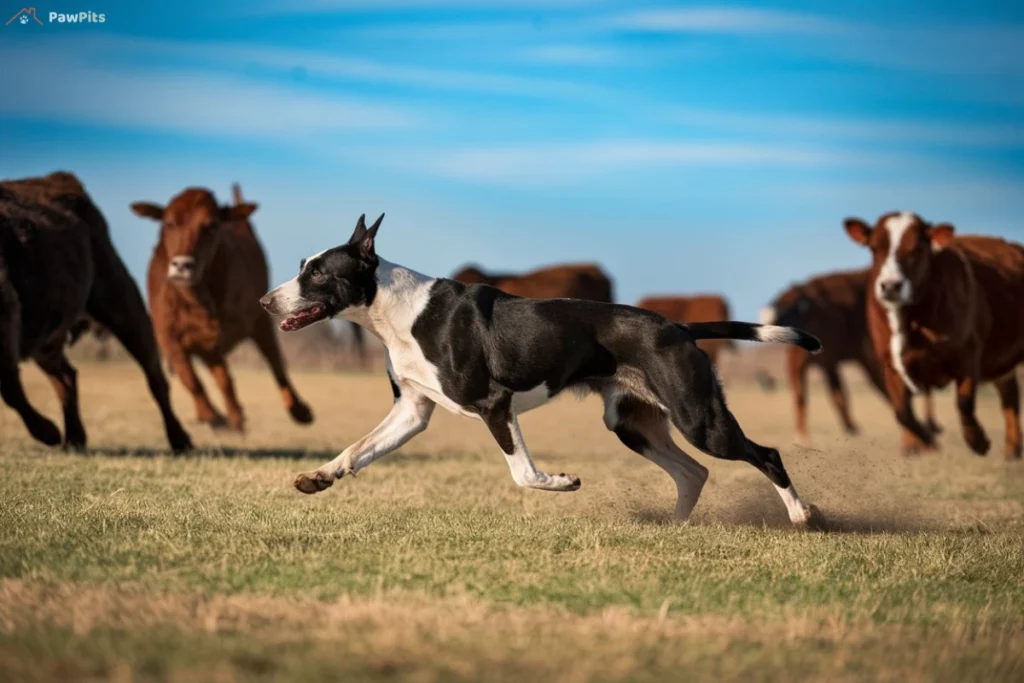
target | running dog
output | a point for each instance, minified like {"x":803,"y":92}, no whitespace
{"x":479,"y":352}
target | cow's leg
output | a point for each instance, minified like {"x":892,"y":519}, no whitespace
{"x":266,"y":341}
{"x":929,"y":413}
{"x":915,"y":437}
{"x":11,"y":389}
{"x":64,"y":379}
{"x":182,"y":364}
{"x":116,"y":304}
{"x":796,"y":370}
{"x":218,"y":366}
{"x":838,"y":393}
{"x":966,"y":391}
{"x":1009,"y":397}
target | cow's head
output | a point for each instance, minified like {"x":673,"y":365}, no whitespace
{"x":902,"y":248}
{"x":330,"y":282}
{"x":472,"y":275}
{"x":190,"y":231}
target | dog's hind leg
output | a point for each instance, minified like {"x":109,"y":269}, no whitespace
{"x":698,"y":410}
{"x":644,"y":428}
{"x":504,"y":426}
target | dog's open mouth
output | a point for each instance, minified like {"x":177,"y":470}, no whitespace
{"x":297,"y":321}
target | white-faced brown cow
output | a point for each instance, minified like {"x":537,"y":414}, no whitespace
{"x":206,"y":277}
{"x":945,"y":308}
{"x":832,"y":307}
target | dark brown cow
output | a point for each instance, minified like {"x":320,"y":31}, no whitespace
{"x":699,"y":308}
{"x":945,"y":308}
{"x":58,"y":266}
{"x":206,"y":277}
{"x":832,"y":308}
{"x":566,"y":281}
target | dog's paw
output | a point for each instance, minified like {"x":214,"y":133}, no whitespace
{"x":313,"y":482}
{"x":811,"y":518}
{"x":562,"y":482}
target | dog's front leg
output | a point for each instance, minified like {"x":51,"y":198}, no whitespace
{"x":409,"y":416}
{"x":505,"y":428}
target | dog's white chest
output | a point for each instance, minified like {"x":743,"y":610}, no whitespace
{"x":411,"y":366}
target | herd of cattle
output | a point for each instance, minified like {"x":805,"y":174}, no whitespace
{"x":931,"y":309}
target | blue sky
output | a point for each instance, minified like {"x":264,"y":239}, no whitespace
{"x":685,"y":146}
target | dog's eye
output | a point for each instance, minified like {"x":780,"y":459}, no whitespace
{"x":317,"y":276}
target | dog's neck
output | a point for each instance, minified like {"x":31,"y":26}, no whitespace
{"x":402,"y":294}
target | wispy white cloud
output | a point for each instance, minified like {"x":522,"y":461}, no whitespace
{"x":61,"y":88}
{"x":544,"y":165}
{"x":721,"y":20}
{"x":932,"y":48}
{"x":326,"y":6}
{"x":839,"y":130}
{"x":324,"y":64}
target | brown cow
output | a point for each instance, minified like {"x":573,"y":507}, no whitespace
{"x":945,"y":308}
{"x":832,"y":308}
{"x":567,"y":281}
{"x":206,"y":277}
{"x":699,"y":308}
{"x":58,"y":266}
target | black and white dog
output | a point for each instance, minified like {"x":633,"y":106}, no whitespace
{"x":485,"y":354}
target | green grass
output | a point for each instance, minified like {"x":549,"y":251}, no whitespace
{"x":433,"y":566}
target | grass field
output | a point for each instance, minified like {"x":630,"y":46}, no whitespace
{"x":127,"y":564}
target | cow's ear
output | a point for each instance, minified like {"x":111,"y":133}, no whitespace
{"x":858,"y":230}
{"x":237,"y":212}
{"x":148,"y":210}
{"x":941,"y":236}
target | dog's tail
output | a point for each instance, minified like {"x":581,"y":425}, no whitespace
{"x":752,"y":332}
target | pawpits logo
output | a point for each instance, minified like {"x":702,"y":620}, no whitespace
{"x":29,"y":15}
{"x":77,"y":18}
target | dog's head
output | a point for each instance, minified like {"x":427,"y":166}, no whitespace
{"x":330,"y":282}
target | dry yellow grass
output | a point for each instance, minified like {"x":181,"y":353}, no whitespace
{"x":129,"y":564}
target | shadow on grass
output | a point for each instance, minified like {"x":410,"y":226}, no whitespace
{"x":762,"y":509}
{"x":230,"y":452}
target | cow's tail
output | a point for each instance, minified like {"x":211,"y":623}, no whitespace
{"x":752,"y":332}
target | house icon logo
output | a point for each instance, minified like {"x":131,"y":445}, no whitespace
{"x":23,"y":16}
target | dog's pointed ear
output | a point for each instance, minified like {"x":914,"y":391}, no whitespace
{"x":941,"y":235}
{"x":359,"y":232}
{"x":858,"y":230}
{"x":367,"y":244}
{"x":148,"y":210}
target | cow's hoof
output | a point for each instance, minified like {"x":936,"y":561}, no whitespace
{"x":178,"y":438}
{"x":977,"y":441}
{"x":301,"y":413}
{"x":45,"y":431}
{"x":313,"y":482}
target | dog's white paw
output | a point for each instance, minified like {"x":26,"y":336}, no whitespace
{"x":559,"y":482}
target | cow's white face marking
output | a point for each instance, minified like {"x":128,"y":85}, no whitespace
{"x":891,"y":272}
